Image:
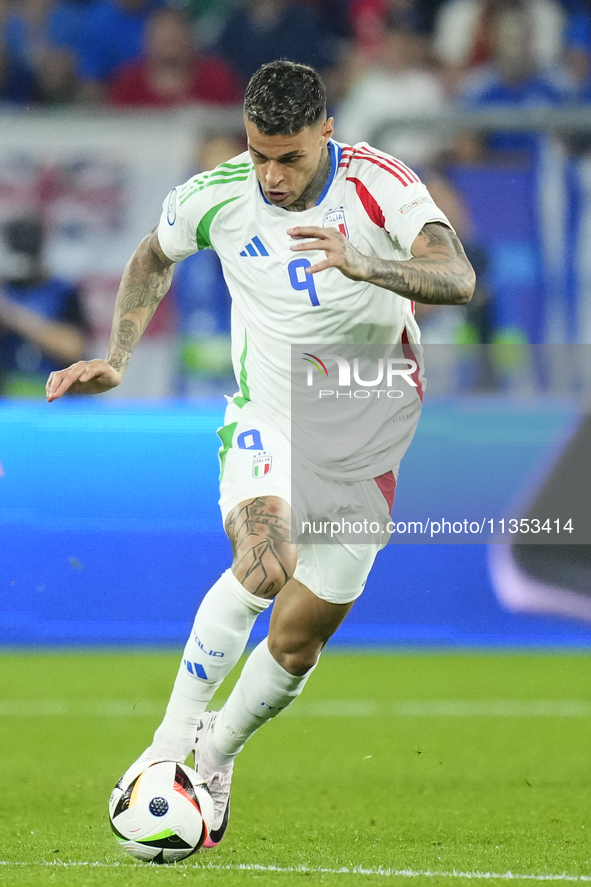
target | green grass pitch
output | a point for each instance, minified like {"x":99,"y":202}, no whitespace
{"x":423,"y":768}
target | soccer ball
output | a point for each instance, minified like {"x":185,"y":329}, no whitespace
{"x":160,"y":812}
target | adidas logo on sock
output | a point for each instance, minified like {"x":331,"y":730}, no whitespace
{"x":254,"y":248}
{"x":196,"y":669}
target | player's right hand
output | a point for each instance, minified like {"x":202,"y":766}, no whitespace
{"x":83,"y":377}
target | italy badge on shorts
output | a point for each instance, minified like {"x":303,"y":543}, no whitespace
{"x":336,"y":219}
{"x":261,"y":465}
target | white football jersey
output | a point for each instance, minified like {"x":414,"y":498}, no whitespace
{"x":374,"y":199}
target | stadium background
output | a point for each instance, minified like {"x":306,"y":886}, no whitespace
{"x":108,"y":518}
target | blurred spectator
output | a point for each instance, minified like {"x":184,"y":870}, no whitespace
{"x":198,"y":9}
{"x":259,"y":31}
{"x":209,"y":16}
{"x":395,"y":85}
{"x":513,"y":76}
{"x":333,"y":16}
{"x":42,"y":325}
{"x":17,"y":83}
{"x":465,"y":32}
{"x":219,"y":147}
{"x":578,"y":49}
{"x":68,"y":21}
{"x":202,"y":298}
{"x":368,"y":19}
{"x":469,"y":324}
{"x":113,"y":33}
{"x":173,"y":72}
{"x":37,"y":63}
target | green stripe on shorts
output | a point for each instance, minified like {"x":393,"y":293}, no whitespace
{"x":225,"y":434}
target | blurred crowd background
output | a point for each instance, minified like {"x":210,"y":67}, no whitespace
{"x":107,"y":104}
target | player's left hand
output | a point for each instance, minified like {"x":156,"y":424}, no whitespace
{"x":340,"y":252}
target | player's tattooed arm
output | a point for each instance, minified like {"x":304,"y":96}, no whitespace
{"x":438,"y":274}
{"x":144,"y":283}
{"x":264,"y":556}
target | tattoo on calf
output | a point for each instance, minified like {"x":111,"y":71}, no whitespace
{"x":261,"y":544}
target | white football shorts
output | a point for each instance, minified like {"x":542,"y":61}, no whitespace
{"x":255,"y":460}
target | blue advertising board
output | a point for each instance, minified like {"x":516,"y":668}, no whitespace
{"x":110,"y":530}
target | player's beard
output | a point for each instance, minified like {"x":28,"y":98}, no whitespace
{"x":315,"y":186}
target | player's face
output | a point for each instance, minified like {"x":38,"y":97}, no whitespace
{"x":285,"y":165}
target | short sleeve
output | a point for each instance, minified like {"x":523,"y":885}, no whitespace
{"x":393,"y":196}
{"x":190,"y":211}
{"x":177,"y":233}
{"x":407,"y":210}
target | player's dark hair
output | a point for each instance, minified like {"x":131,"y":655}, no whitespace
{"x":282,"y":98}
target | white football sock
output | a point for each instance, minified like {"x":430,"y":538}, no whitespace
{"x":263,"y":690}
{"x":220,"y":632}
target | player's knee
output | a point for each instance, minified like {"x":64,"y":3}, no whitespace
{"x":265,"y":572}
{"x":264,"y":556}
{"x":279,"y":570}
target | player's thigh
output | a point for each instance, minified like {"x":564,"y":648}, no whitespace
{"x":255,"y":459}
{"x":255,"y":495}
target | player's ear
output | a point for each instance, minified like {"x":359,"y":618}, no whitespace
{"x":327,"y":129}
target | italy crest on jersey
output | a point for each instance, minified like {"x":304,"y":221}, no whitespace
{"x":261,"y":465}
{"x":336,"y":219}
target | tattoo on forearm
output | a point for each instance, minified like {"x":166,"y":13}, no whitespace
{"x":128,"y":334}
{"x":260,"y":538}
{"x":145,"y":282}
{"x":126,"y":340}
{"x":442,"y":276}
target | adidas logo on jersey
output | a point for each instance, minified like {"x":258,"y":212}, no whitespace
{"x":254,"y":248}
